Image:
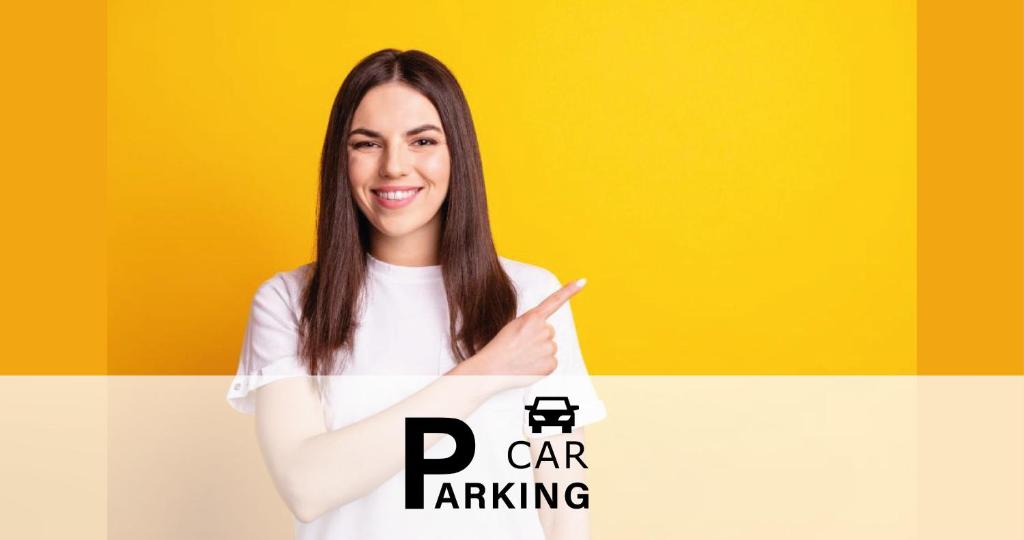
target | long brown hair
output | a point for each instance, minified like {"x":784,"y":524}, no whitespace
{"x":481,"y":297}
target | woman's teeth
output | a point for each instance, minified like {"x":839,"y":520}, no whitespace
{"x":396,"y":195}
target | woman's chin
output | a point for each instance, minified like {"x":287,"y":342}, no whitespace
{"x":397,"y":226}
{"x":392,"y":229}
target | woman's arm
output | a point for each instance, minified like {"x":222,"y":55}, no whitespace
{"x":562,"y":523}
{"x":316,"y":470}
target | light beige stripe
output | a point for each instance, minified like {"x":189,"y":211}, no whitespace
{"x":677,"y":457}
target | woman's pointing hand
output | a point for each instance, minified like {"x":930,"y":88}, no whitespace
{"x":525,"y":348}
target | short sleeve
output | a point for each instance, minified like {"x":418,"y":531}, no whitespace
{"x":270,"y":346}
{"x":570,"y":379}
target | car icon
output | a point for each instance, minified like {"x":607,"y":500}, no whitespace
{"x":552,"y":411}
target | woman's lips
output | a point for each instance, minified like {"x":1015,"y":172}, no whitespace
{"x":395,"y":197}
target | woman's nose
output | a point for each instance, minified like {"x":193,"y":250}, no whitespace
{"x":395,"y":162}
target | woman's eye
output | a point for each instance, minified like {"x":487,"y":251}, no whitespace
{"x":428,"y":141}
{"x":362,"y":144}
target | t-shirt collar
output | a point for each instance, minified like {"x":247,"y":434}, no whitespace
{"x":403,"y":273}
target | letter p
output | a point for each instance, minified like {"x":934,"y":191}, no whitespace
{"x":416,"y":464}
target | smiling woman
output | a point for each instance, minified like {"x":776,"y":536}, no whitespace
{"x":406,"y":282}
{"x":401,"y":123}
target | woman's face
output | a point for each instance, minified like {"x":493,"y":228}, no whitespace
{"x":398,"y":161}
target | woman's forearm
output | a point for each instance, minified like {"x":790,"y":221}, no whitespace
{"x":324,"y":471}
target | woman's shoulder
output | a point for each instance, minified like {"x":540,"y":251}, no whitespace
{"x":285,"y":288}
{"x":531,"y":281}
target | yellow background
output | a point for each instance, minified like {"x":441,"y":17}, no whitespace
{"x":52,"y":207}
{"x":735,"y":179}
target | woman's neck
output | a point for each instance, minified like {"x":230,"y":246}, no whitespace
{"x":418,"y":248}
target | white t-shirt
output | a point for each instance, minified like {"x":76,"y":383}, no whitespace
{"x":401,"y":344}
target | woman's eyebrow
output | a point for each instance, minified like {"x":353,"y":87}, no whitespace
{"x":413,"y":131}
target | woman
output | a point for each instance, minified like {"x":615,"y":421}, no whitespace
{"x":406,"y":283}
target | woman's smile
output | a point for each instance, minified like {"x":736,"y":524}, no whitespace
{"x":395,"y":196}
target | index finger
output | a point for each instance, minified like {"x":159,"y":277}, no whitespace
{"x":551,"y":304}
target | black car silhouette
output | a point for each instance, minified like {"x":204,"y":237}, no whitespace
{"x":552,"y":411}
